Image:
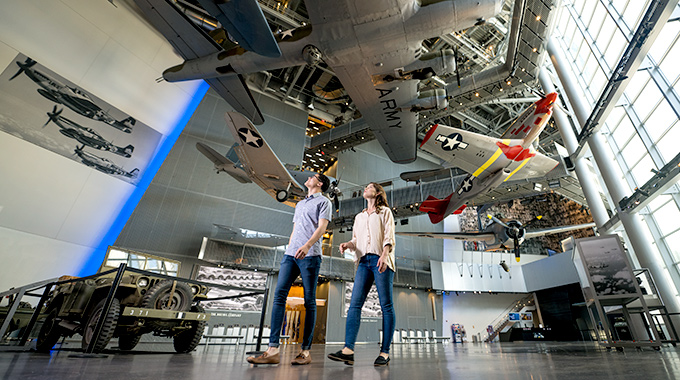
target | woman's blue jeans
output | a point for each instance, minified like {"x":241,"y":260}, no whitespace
{"x":367,"y":273}
{"x":291,"y":268}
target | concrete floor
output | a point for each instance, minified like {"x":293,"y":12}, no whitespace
{"x":507,"y":361}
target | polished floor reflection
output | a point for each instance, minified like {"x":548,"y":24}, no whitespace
{"x":521,"y":360}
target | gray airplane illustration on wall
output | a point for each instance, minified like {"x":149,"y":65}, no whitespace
{"x":85,"y":135}
{"x":71,"y":97}
{"x":102,"y":164}
{"x":373,"y":47}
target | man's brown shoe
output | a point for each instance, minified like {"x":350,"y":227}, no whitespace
{"x":301,"y":359}
{"x":264,"y":359}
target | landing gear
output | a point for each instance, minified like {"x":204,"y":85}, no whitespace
{"x":281,"y":195}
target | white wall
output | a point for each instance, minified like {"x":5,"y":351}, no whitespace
{"x":474,"y":311}
{"x":54,"y":211}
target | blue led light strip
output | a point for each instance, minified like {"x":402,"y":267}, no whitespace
{"x":95,"y":260}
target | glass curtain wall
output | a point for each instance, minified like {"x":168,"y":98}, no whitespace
{"x":644,"y":129}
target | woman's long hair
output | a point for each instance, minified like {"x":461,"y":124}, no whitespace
{"x":380,"y":197}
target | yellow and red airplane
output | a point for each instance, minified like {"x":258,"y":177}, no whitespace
{"x":490,"y":161}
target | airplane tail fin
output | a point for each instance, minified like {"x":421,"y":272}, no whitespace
{"x":436,"y":208}
{"x":130,"y":121}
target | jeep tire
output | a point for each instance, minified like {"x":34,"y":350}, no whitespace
{"x":50,"y":332}
{"x":158,"y":297}
{"x":127,"y":342}
{"x":187,"y":340}
{"x":110,"y":322}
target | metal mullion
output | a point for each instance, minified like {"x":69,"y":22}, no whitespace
{"x":665,"y":87}
{"x":592,"y":44}
{"x":661,"y":244}
{"x":641,"y":131}
{"x":618,"y":20}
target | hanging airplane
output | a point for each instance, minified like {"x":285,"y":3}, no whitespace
{"x":102,"y":164}
{"x":489,"y":161}
{"x":499,"y":235}
{"x":251,"y":159}
{"x":72,"y":97}
{"x":85,"y":135}
{"x":373,"y":47}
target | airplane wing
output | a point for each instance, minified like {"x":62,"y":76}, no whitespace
{"x":259,"y":162}
{"x":222,"y":163}
{"x":428,"y":175}
{"x":386,"y":109}
{"x":192,"y":42}
{"x":235,"y":91}
{"x":536,"y":167}
{"x":556,"y":230}
{"x":246,"y":23}
{"x":486,"y":237}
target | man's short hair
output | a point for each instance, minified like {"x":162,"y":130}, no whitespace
{"x":325,"y":182}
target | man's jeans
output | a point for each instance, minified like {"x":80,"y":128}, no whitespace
{"x":291,"y":268}
{"x":367,"y":273}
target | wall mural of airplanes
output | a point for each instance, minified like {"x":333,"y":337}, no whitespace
{"x":251,"y":159}
{"x":373,"y":47}
{"x":85,"y":135}
{"x":102,"y":164}
{"x":71,"y":97}
{"x":499,"y":235}
{"x":489,"y":161}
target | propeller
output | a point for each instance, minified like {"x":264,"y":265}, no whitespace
{"x":334,"y":193}
{"x":53,"y":116}
{"x":533,"y":221}
{"x":23,"y":66}
{"x":78,"y":151}
{"x":514,"y":230}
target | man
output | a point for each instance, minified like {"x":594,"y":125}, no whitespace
{"x":303,"y":258}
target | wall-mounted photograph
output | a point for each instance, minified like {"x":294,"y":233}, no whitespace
{"x":45,"y":109}
{"x":371,"y":307}
{"x":233,"y":277}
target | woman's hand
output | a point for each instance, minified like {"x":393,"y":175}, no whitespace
{"x":382,"y":265}
{"x":345,"y":246}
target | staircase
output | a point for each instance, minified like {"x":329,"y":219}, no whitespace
{"x":503,"y":321}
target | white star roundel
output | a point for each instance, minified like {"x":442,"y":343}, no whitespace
{"x":452,"y":141}
{"x":466,"y":185}
{"x":250,"y":137}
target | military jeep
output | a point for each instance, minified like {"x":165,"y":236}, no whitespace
{"x":143,"y":303}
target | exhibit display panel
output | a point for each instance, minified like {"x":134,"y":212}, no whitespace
{"x":610,"y":289}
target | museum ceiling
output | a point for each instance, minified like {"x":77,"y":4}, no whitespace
{"x":498,"y":62}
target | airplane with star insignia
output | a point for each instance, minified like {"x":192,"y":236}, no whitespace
{"x":489,"y":161}
{"x":251,"y":159}
{"x":500,"y":234}
{"x":373,"y":47}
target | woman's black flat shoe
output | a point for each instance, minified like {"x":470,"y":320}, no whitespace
{"x":381,"y":361}
{"x":340,"y":357}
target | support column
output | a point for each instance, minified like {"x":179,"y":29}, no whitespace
{"x":585,"y":176}
{"x":632,"y":224}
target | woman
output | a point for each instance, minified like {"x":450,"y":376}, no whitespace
{"x":373,"y":243}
